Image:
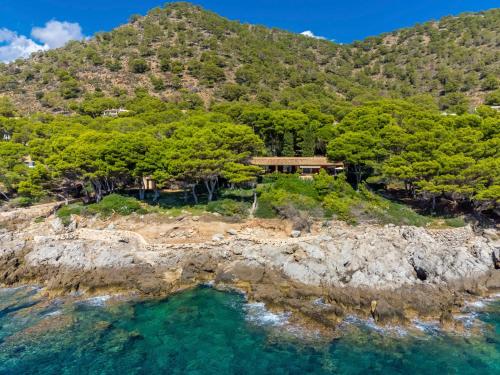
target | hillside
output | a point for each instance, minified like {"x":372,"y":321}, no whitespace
{"x":456,"y":54}
{"x":181,"y":50}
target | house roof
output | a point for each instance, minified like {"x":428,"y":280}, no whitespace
{"x":321,"y":161}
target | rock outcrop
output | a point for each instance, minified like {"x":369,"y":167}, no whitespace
{"x":391,"y":273}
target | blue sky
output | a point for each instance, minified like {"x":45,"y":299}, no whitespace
{"x":342,"y":21}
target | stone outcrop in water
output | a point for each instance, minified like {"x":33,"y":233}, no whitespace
{"x":391,"y":273}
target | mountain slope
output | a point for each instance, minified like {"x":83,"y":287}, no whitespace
{"x":182,"y":49}
{"x":456,"y":54}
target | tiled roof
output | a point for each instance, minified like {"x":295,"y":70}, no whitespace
{"x":296,"y":161}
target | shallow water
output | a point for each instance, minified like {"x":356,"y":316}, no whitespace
{"x":204,"y":331}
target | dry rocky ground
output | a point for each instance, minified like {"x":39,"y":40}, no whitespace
{"x":391,"y":273}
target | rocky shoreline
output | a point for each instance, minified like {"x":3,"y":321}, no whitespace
{"x":393,"y":274}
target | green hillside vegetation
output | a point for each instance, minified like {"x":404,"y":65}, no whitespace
{"x":202,"y":95}
{"x":182,"y":50}
{"x":433,"y":161}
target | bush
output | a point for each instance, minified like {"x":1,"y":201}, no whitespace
{"x":294,"y":184}
{"x":340,"y":206}
{"x":65,"y":212}
{"x":455,"y":222}
{"x":138,"y":66}
{"x":116,"y":204}
{"x":21,"y":202}
{"x":229,"y":207}
{"x":273,"y":201}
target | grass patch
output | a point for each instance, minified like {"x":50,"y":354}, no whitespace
{"x":455,"y":222}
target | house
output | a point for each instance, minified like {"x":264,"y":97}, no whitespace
{"x":115,"y":112}
{"x":148,"y":183}
{"x":306,"y":166}
{"x":28,"y":162}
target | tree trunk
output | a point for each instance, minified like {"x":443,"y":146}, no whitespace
{"x":358,"y":173}
{"x":156,"y":195}
{"x":97,"y":190}
{"x":210,"y":184}
{"x":142,"y":190}
{"x":193,"y":191}
{"x":254,"y":204}
{"x":4,"y":195}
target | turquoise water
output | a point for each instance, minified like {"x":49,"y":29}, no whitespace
{"x":209,"y":332}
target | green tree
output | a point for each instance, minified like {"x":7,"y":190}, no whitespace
{"x":358,"y":150}
{"x":7,"y":109}
{"x":288,"y":144}
{"x":138,"y":65}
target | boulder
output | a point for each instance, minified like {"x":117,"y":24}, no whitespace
{"x":57,"y":226}
{"x":218,"y":237}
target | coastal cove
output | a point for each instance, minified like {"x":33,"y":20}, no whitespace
{"x":211,"y":332}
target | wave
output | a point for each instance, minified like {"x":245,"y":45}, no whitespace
{"x":98,"y":301}
{"x":257,"y":313}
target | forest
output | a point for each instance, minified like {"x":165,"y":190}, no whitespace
{"x":182,"y":49}
{"x":410,"y":113}
{"x":402,"y":149}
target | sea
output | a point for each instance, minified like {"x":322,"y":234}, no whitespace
{"x":205,"y":331}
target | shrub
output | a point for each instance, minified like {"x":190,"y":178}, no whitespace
{"x":21,"y":202}
{"x":340,"y":206}
{"x":455,"y":222}
{"x":65,"y":212}
{"x":138,"y":66}
{"x":399,"y":214}
{"x":70,"y":89}
{"x":273,"y":201}
{"x":116,"y":204}
{"x":229,"y":207}
{"x":294,"y":184}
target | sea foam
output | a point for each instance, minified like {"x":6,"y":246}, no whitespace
{"x":257,"y":313}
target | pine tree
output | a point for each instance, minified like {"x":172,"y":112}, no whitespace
{"x":308,"y":144}
{"x":288,"y":145}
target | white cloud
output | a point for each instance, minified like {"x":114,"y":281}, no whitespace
{"x":14,"y":46}
{"x":55,"y":34}
{"x":310,"y":34}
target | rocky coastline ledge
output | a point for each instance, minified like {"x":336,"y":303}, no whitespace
{"x":391,"y":273}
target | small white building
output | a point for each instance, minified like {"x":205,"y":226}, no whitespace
{"x":28,"y":162}
{"x":115,"y":112}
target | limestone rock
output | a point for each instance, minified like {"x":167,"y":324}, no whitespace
{"x":57,"y":225}
{"x":218,"y":237}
